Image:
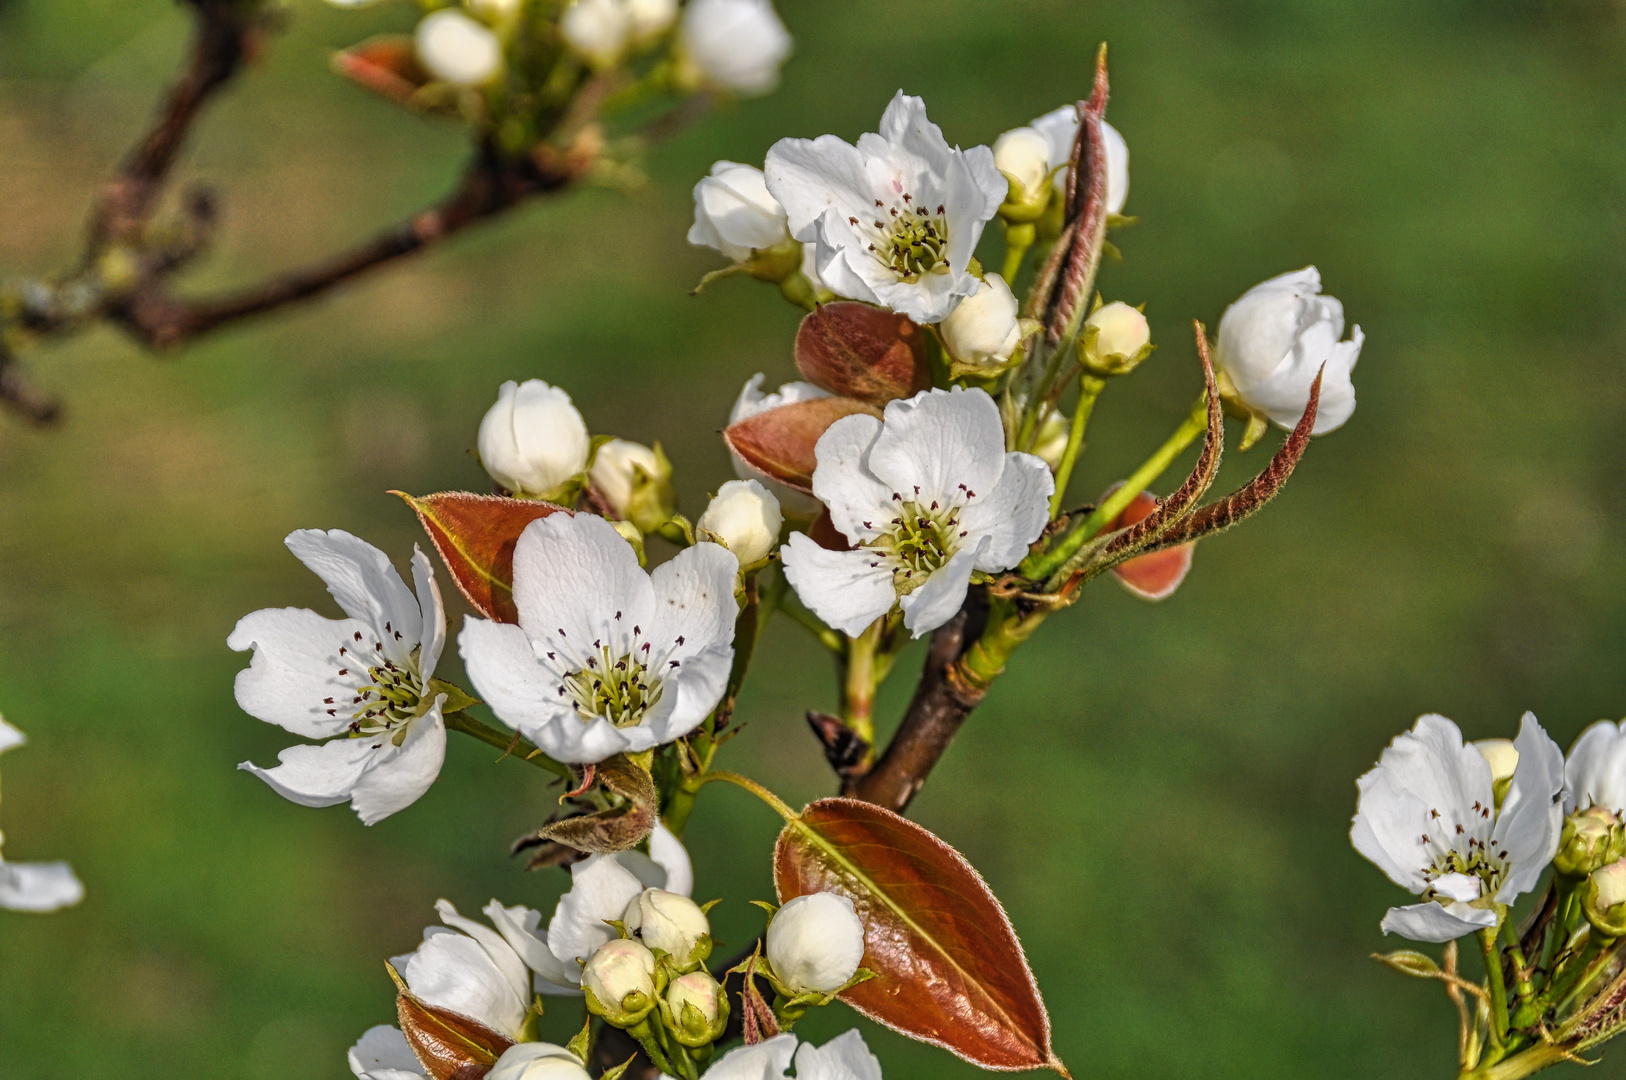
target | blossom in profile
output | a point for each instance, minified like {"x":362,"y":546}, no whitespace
{"x":362,"y":682}
{"x":1595,"y":771}
{"x":34,"y":886}
{"x":897,"y":217}
{"x":734,"y":214}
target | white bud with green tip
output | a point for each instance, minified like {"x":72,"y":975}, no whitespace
{"x":1023,"y":155}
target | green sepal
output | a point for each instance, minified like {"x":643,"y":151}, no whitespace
{"x":581,"y":1043}
{"x":615,"y":1073}
{"x":457,"y":699}
{"x":1409,"y":962}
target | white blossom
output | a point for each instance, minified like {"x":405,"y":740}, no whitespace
{"x":1595,"y":772}
{"x":734,"y":214}
{"x":897,"y":217}
{"x":615,"y":472}
{"x":1274,"y":340}
{"x":469,"y":968}
{"x":458,"y":49}
{"x":1428,"y":817}
{"x":1023,"y":156}
{"x":816,"y":942}
{"x":617,"y":968}
{"x":361,"y":682}
{"x":752,"y":402}
{"x":982,"y":328}
{"x":926,"y":496}
{"x":533,"y":441}
{"x":383,"y":1053}
{"x":34,"y":886}
{"x":537,"y":1061}
{"x":844,"y":1057}
{"x":606,"y":658}
{"x":1060,"y":129}
{"x":668,"y":921}
{"x":737,"y":45}
{"x":744,"y":517}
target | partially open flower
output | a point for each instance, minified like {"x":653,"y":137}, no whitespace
{"x":670,"y":922}
{"x":744,"y":517}
{"x":470,"y":970}
{"x":635,"y":483}
{"x":458,"y":49}
{"x":734,"y":213}
{"x":620,"y":981}
{"x":537,"y":1061}
{"x":1116,"y":339}
{"x":736,"y":45}
{"x":982,"y":329}
{"x":816,"y":942}
{"x":533,"y":441}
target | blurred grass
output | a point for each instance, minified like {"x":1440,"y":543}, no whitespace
{"x":1160,"y":794}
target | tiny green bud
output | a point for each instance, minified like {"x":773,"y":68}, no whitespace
{"x":1586,"y":842}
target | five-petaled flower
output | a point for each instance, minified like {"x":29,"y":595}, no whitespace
{"x":606,"y":658}
{"x":926,"y":496}
{"x":364,"y":678}
{"x":897,"y":217}
{"x":1428,"y":816}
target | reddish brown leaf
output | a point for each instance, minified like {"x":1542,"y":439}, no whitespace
{"x":475,"y":536}
{"x":863,"y":352}
{"x":949,"y":968}
{"x":449,"y":1045}
{"x":779,"y":443}
{"x":1063,"y":284}
{"x":1154,"y":576}
{"x":386,"y":65}
{"x":823,"y":531}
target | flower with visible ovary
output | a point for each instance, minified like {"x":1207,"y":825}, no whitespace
{"x":926,"y":496}
{"x":1060,"y":129}
{"x":1276,"y":338}
{"x":734,"y":214}
{"x":1428,"y":817}
{"x":744,"y":517}
{"x":537,"y":1061}
{"x":844,"y":1057}
{"x":897,"y":217}
{"x":533,"y":441}
{"x":457,"y":49}
{"x":361,"y":682}
{"x":751,"y":402}
{"x":606,"y":658}
{"x":735,"y":45}
{"x":816,"y":942}
{"x":1595,"y":772}
{"x":984,"y":329}
{"x":33,"y":886}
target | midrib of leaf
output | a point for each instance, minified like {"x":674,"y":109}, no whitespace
{"x":451,"y":538}
{"x":829,"y":849}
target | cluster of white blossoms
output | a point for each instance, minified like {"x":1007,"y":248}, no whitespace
{"x":34,"y":886}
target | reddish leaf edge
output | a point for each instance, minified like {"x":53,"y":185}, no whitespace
{"x":415,"y":502}
{"x":1051,"y":1061}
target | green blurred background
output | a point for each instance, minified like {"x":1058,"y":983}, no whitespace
{"x":1159,"y":793}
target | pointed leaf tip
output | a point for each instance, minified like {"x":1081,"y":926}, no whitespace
{"x":474,"y":535}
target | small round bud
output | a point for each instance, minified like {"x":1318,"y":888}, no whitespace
{"x":533,"y":441}
{"x":737,"y":45}
{"x":744,"y":517}
{"x":635,"y":483}
{"x":621,"y":977}
{"x":669,"y":922}
{"x":1603,"y":899}
{"x":537,"y":1061}
{"x":1023,"y":155}
{"x":982,"y":328}
{"x":1116,"y":339}
{"x":815,"y":942}
{"x":649,"y":19}
{"x":457,"y":49}
{"x":1585,"y":843}
{"x":695,"y":1008}
{"x":599,"y":31}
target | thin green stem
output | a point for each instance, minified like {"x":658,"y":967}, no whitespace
{"x":858,"y":681}
{"x":1019,"y":238}
{"x":778,"y":804}
{"x":1090,"y":388}
{"x":1498,"y":990}
{"x":1522,"y":987}
{"x":468,"y":725}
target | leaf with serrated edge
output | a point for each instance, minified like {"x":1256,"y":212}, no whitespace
{"x":475,"y":537}
{"x":857,"y":351}
{"x":779,"y":443}
{"x":449,"y":1045}
{"x":949,"y":969}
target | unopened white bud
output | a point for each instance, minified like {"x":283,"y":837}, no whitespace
{"x":1051,"y":442}
{"x":619,"y":467}
{"x":737,"y":45}
{"x":598,"y":30}
{"x":667,"y":921}
{"x":697,"y":988}
{"x":1023,"y":155}
{"x":620,"y":967}
{"x":734,"y":213}
{"x":533,"y":441}
{"x":815,"y":942}
{"x":1611,"y":884}
{"x":745,"y":518}
{"x":457,"y":49}
{"x":494,"y":10}
{"x":1116,"y":337}
{"x":1500,"y":755}
{"x":650,"y":19}
{"x":982,"y":328}
{"x":536,"y":1061}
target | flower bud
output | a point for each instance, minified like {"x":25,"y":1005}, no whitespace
{"x":1023,"y":155}
{"x":815,"y":942}
{"x":536,"y":1061}
{"x":1502,"y":759}
{"x":1603,"y":899}
{"x":635,"y":483}
{"x":672,"y":923}
{"x":1116,"y":339}
{"x":620,"y":981}
{"x":1051,"y":442}
{"x":744,"y":517}
{"x":737,"y":45}
{"x":982,"y":329}
{"x":734,"y":214}
{"x":457,"y":49}
{"x":649,"y":19}
{"x":695,"y":1009}
{"x":533,"y":441}
{"x":1586,"y":842}
{"x":599,"y":31}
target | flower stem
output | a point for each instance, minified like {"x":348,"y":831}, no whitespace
{"x":468,"y":725}
{"x":858,"y":682}
{"x":1019,"y":238}
{"x":1090,"y":388}
{"x":1525,"y":1063}
{"x":1498,"y":990}
{"x":778,"y":804}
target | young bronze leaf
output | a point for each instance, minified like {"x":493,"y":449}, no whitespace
{"x":1064,"y":282}
{"x":475,"y":536}
{"x":386,"y":65}
{"x":949,"y":970}
{"x":779,"y":443}
{"x":1154,"y":576}
{"x":863,"y":352}
{"x":450,"y":1046}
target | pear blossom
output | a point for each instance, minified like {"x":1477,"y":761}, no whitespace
{"x":736,"y":45}
{"x":897,"y":217}
{"x":602,"y":887}
{"x":469,"y":968}
{"x":533,"y":441}
{"x":752,"y":402}
{"x":734,"y":214}
{"x":383,"y":1053}
{"x":1274,"y":340}
{"x":537,"y":1061}
{"x":606,"y":658}
{"x":34,"y":886}
{"x":361,"y":682}
{"x":744,"y":517}
{"x":667,"y":921}
{"x":844,"y":1057}
{"x":457,"y":49}
{"x":926,"y":496}
{"x":1429,"y":818}
{"x":816,"y":942}
{"x":1595,"y":772}
{"x":983,"y":329}
{"x":1060,"y":129}
{"x":618,"y":968}
{"x":1023,"y":156}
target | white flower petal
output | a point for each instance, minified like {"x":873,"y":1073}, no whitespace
{"x":38,"y":886}
{"x":668,"y":853}
{"x":296,"y":664}
{"x":434,"y":614}
{"x":842,"y":480}
{"x":10,"y":737}
{"x":846,"y":589}
{"x":1595,"y":773}
{"x":600,"y":888}
{"x":399,"y":775}
{"x":1013,"y":514}
{"x":767,"y":1060}
{"x":939,"y":442}
{"x":1436,"y":922}
{"x":694,"y":600}
{"x":573,"y":573}
{"x":382,"y":1053}
{"x":454,"y":971}
{"x":322,"y":775}
{"x":810,"y":176}
{"x":519,"y":927}
{"x":693,"y":690}
{"x":502,"y":665}
{"x":936,"y":602}
{"x":366,"y":585}
{"x":502,"y":955}
{"x":844,"y":1057}
{"x":1532,"y":813}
